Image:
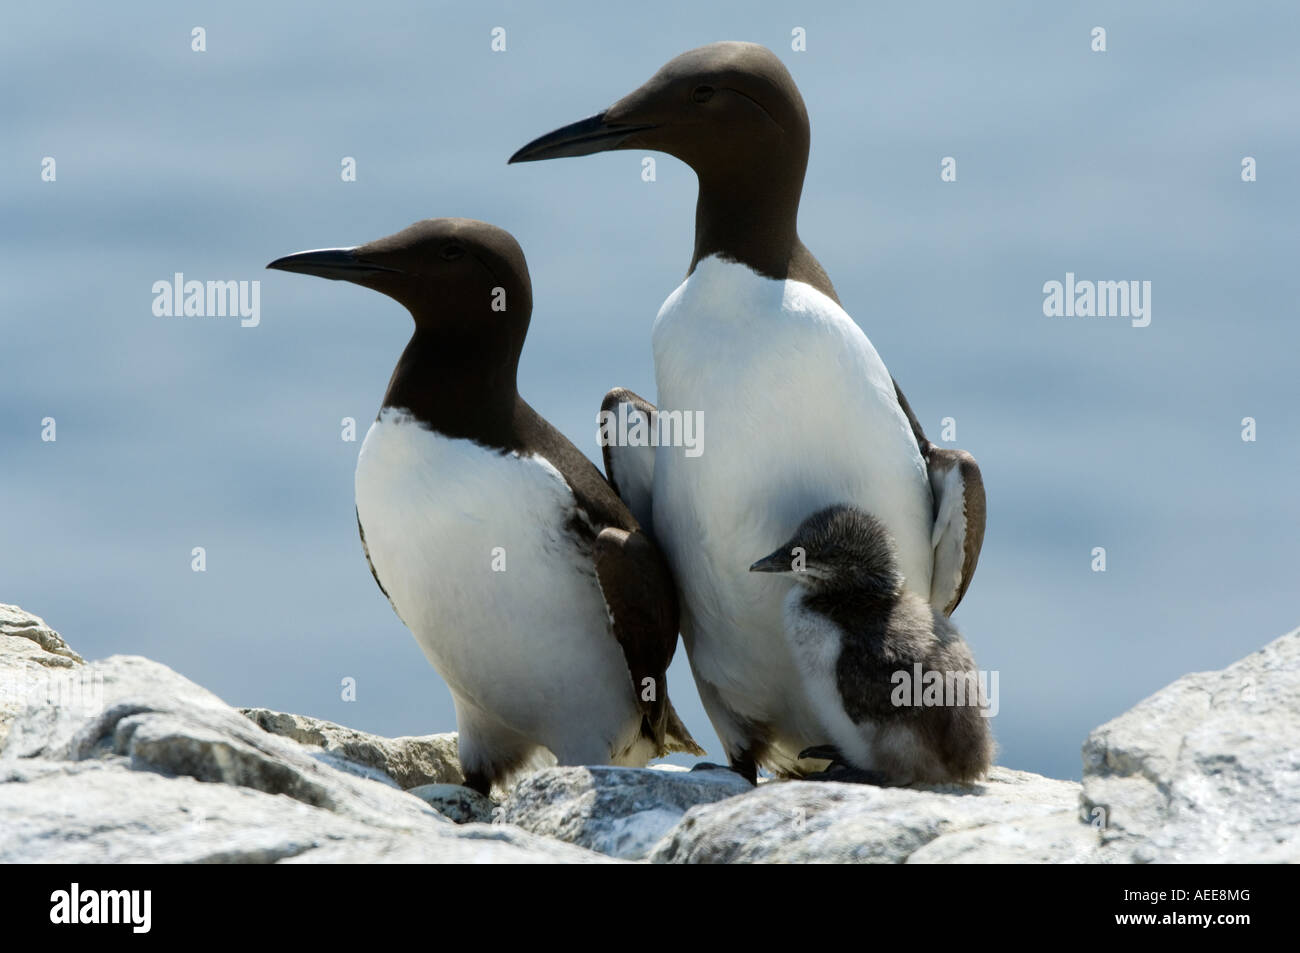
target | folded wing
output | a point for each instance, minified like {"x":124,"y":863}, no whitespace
{"x":629,"y":469}
{"x":642,"y":603}
{"x":959,"y":511}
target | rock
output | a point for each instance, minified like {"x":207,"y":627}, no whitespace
{"x":997,"y":821}
{"x":461,"y":804}
{"x":36,"y":665}
{"x":165,"y":771}
{"x":15,"y":623}
{"x":97,"y":812}
{"x":124,"y":760}
{"x":1206,"y":770}
{"x":1055,"y":838}
{"x":409,"y":761}
{"x":622,"y":812}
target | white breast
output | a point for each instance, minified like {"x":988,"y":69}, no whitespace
{"x":799,"y":413}
{"x":530,"y":645}
{"x":817,"y":642}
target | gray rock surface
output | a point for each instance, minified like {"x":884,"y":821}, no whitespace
{"x":1206,"y":770}
{"x":622,"y":812}
{"x":166,"y":771}
{"x":125,"y":760}
{"x":103,"y":812}
{"x":36,"y":666}
{"x":410,"y":761}
{"x":459,"y":803}
{"x":828,"y":822}
{"x":15,"y":623}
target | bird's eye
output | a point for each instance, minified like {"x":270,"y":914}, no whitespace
{"x":452,"y":253}
{"x":702,"y":94}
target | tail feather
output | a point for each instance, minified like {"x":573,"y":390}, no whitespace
{"x":674,"y":738}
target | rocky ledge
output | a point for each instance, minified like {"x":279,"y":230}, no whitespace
{"x":124,"y":760}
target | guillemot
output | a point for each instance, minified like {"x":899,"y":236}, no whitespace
{"x":523,"y":577}
{"x":802,"y":410}
{"x":857,"y":635}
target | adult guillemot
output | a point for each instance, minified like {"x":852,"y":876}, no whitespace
{"x":522,"y":575}
{"x":857,"y":635}
{"x":801,"y":410}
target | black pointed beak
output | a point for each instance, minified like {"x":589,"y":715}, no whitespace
{"x":583,"y":138}
{"x":337,"y":264}
{"x":779,"y":561}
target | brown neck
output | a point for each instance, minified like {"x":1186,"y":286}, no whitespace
{"x":754,"y":221}
{"x":457,"y":387}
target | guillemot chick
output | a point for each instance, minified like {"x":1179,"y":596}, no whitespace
{"x":801,"y":410}
{"x":522,"y":575}
{"x":858,"y":636}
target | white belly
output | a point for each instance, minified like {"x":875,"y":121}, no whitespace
{"x":469,"y":545}
{"x":816,"y":643}
{"x":799,"y":413}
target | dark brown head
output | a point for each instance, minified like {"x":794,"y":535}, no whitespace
{"x":732,"y":112}
{"x":466,"y":284}
{"x":841,"y":548}
{"x":462,"y":280}
{"x":722,"y":109}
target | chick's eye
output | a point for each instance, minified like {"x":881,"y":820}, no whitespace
{"x":452,"y":253}
{"x":702,"y":94}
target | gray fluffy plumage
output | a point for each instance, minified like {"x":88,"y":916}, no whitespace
{"x":852,"y":626}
